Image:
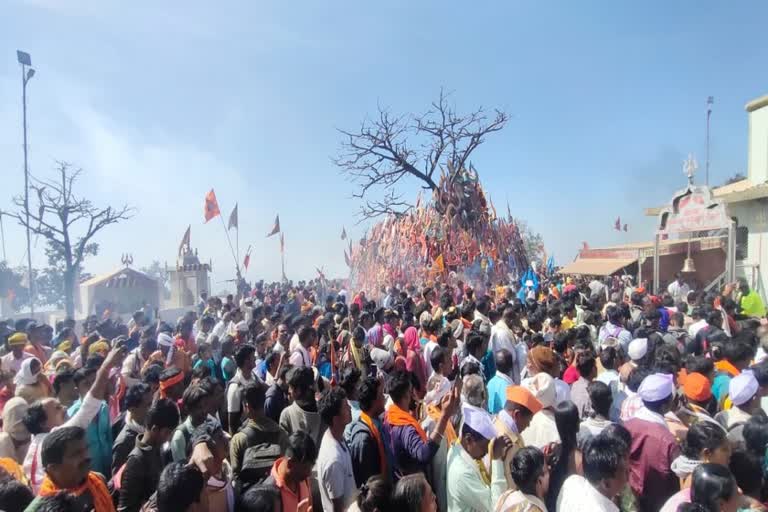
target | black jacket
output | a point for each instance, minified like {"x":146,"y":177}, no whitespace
{"x":275,"y":402}
{"x":364,"y":452}
{"x":140,"y":477}
{"x":124,"y":444}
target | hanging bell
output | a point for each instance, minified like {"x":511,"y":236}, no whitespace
{"x":688,"y":266}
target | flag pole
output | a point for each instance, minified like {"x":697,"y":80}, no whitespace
{"x":282,"y":255}
{"x":229,"y":241}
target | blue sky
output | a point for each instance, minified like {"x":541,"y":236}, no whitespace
{"x":160,"y":101}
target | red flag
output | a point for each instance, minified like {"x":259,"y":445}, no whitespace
{"x":625,"y":228}
{"x":247,"y":259}
{"x":185,"y":241}
{"x":343,"y":233}
{"x":346,"y":258}
{"x":211,"y":206}
{"x":617,"y":224}
{"x":275,"y":228}
{"x":282,"y":244}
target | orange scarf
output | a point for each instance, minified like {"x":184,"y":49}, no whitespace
{"x":13,"y":469}
{"x":726,"y":366}
{"x":450,"y":433}
{"x":379,"y":442}
{"x":102,"y":502}
{"x":397,"y":417}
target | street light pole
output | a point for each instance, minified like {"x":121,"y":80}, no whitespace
{"x":26,"y":74}
{"x":710,"y":102}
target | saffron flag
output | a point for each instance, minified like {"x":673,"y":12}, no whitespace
{"x":275,"y":228}
{"x":439,"y":264}
{"x":343,"y":233}
{"x":211,"y":206}
{"x":233,"y":219}
{"x":185,"y":240}
{"x":247,"y":259}
{"x":617,"y":224}
{"x":282,"y":243}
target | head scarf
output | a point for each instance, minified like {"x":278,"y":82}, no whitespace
{"x":543,"y":359}
{"x":13,"y":413}
{"x":25,"y":377}
{"x":164,"y":340}
{"x":411,"y":337}
{"x":542,"y":386}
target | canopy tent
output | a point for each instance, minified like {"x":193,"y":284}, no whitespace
{"x":596,"y":266}
{"x":122,"y":291}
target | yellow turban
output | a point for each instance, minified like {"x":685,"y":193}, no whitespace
{"x":99,"y":347}
{"x":18,"y":338}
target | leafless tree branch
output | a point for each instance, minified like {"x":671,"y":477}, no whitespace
{"x":388,"y":148}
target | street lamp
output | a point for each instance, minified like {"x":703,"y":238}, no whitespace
{"x":27,"y":72}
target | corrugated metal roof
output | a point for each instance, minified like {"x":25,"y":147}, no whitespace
{"x":596,"y":266}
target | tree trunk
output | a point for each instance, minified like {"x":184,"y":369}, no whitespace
{"x":69,"y":291}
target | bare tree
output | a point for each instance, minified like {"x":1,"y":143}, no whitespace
{"x":58,"y":211}
{"x":390,"y":148}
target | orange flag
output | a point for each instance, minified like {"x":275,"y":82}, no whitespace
{"x":439,"y":264}
{"x":211,"y":206}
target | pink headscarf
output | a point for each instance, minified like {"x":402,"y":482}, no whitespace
{"x":411,"y":337}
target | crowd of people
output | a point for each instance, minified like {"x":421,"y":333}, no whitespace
{"x":588,"y":395}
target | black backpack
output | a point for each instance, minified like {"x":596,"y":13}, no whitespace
{"x":257,"y":464}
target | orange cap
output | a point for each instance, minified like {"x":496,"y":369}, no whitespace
{"x":521,"y":396}
{"x":697,"y":387}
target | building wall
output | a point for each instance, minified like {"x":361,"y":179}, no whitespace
{"x":758,"y":146}
{"x":754,"y":215}
{"x":186,"y":287}
{"x":709,"y":264}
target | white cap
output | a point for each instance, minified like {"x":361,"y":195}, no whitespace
{"x":742,"y":387}
{"x":638,"y":348}
{"x":241,"y":326}
{"x":164,"y":340}
{"x":542,"y":386}
{"x":656,"y":387}
{"x":381,"y":357}
{"x":479,"y":420}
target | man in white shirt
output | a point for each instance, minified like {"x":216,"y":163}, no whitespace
{"x":334,"y":463}
{"x":678,"y":289}
{"x":606,"y":473}
{"x":503,"y":337}
{"x":11,"y":362}
{"x":131,"y":370}
{"x":245,"y":358}
{"x":300,"y":355}
{"x":481,"y":312}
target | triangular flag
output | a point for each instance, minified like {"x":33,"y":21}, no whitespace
{"x":625,"y":228}
{"x":185,"y":240}
{"x":346,"y":259}
{"x":211,"y":206}
{"x":350,"y":247}
{"x":282,"y":242}
{"x":617,"y":224}
{"x":343,"y":233}
{"x":247,"y":259}
{"x":233,"y":219}
{"x":275,"y":228}
{"x":439,"y":264}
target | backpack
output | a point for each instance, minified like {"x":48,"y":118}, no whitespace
{"x":257,"y":464}
{"x":167,"y":454}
